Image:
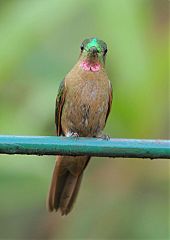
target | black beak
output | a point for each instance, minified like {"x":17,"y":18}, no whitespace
{"x":93,"y":50}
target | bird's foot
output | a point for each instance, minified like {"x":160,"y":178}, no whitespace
{"x":103,"y":136}
{"x":73,"y":135}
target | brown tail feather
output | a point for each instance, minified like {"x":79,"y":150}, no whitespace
{"x":74,"y":195}
{"x":65,"y":184}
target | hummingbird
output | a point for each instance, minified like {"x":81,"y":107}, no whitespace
{"x":83,"y":104}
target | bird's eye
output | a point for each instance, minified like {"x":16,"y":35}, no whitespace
{"x":82,"y":47}
{"x":105,"y":51}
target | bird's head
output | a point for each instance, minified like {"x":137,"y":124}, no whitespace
{"x":93,"y":54}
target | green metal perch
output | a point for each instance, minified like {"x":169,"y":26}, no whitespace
{"x":126,"y":148}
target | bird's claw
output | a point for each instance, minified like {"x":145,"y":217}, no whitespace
{"x":72,"y":134}
{"x":104,"y":136}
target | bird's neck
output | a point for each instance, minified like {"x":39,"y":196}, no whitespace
{"x":90,"y":64}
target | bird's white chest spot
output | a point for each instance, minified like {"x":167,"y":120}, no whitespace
{"x":86,"y":122}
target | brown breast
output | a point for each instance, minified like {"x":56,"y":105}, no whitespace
{"x":86,"y":102}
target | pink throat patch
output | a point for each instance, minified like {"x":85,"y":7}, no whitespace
{"x":94,"y":67}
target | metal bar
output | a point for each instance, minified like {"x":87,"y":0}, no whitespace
{"x":43,"y":145}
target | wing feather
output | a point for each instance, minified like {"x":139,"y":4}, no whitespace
{"x":110,"y":99}
{"x":59,"y":105}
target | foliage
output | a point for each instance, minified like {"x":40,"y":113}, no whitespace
{"x":39,"y":44}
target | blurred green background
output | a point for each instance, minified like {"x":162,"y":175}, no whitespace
{"x":39,"y":43}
